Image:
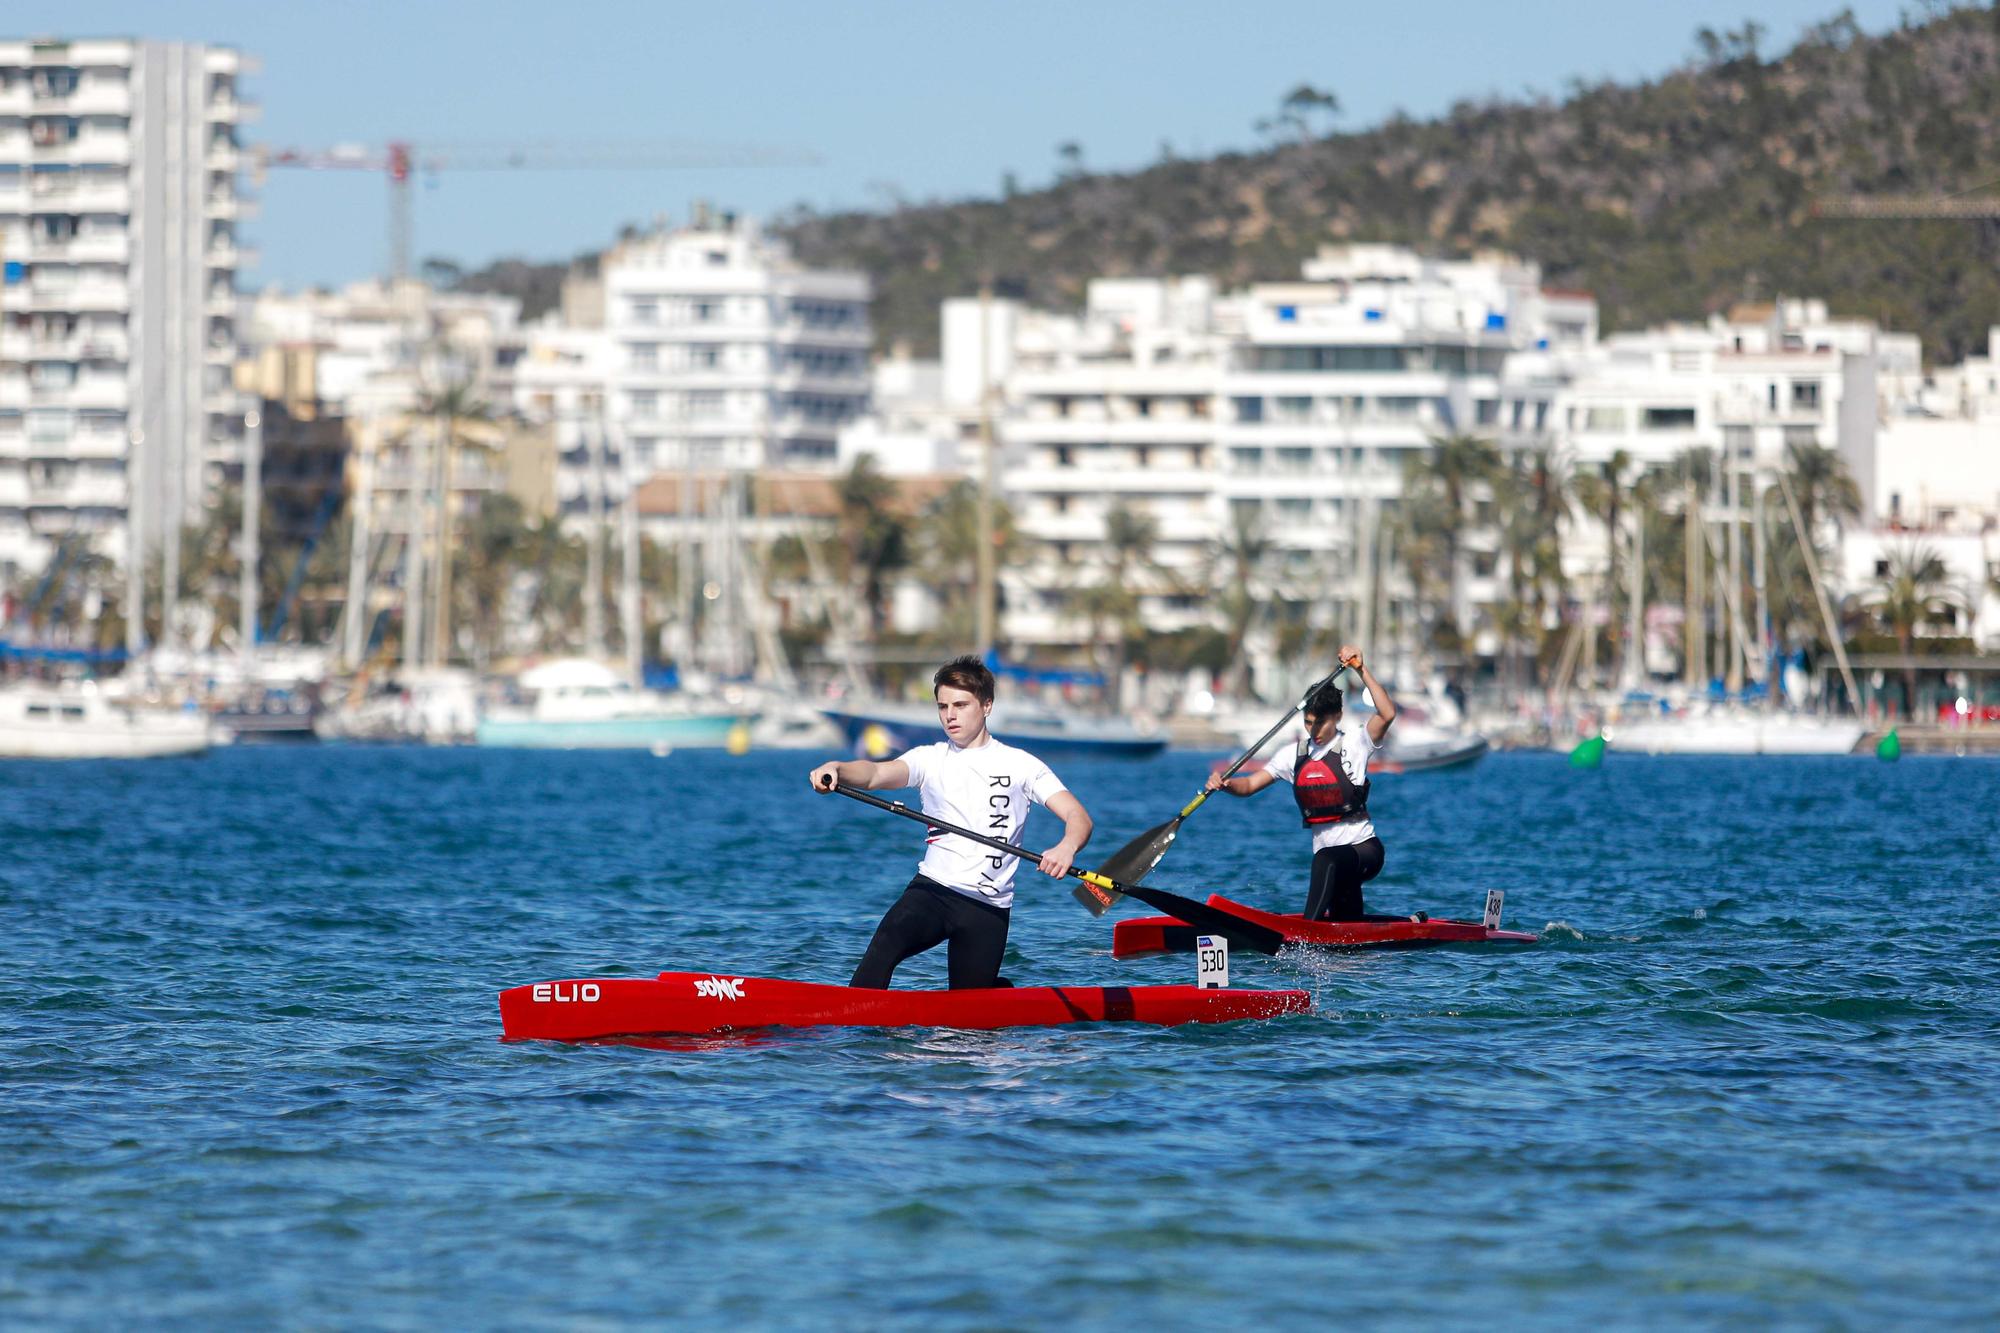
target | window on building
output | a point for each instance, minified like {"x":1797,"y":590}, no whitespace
{"x":1801,"y":437}
{"x":645,"y":405}
{"x":1604,"y":418}
{"x":1487,"y":411}
{"x":704,"y":356}
{"x":1669,"y":418}
{"x":1805,"y":395}
{"x":1248,"y":409}
{"x":1295,"y":509}
{"x":1143,"y":406}
{"x":646,"y":312}
{"x":1246,"y":460}
{"x":706,"y":312}
{"x":645,"y":356}
{"x":1294,"y":411}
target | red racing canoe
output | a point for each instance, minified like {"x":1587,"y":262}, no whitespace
{"x":1141,"y":936}
{"x":695,"y":1003}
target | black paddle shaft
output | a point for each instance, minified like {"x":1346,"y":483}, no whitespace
{"x":1260,"y":939}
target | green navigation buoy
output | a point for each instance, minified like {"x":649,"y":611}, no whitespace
{"x":1890,"y":747}
{"x":1588,"y":754}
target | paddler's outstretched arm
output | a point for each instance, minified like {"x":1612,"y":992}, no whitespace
{"x":863,"y":773}
{"x":1057,"y":860}
{"x":1385,"y":707}
{"x":1244,"y":784}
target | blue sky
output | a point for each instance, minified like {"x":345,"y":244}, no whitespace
{"x":910,"y":98}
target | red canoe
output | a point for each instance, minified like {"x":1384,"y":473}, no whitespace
{"x":1140,"y":936}
{"x":693,"y":1003}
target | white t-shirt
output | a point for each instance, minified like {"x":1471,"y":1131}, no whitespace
{"x":987,"y":789}
{"x":1353,"y":745}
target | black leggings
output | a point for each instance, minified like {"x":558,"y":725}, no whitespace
{"x":1337,"y":876}
{"x":927,"y":915}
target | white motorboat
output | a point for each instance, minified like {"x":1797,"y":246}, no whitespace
{"x":584,"y":705}
{"x":1426,"y":735}
{"x":1733,"y":730}
{"x":81,"y":721}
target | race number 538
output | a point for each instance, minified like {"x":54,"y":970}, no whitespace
{"x":1211,"y":966}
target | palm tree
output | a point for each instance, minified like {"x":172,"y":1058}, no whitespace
{"x":1824,"y":489}
{"x":1129,"y":538}
{"x":946,"y":540}
{"x":1915,"y":591}
{"x":1459,"y":464}
{"x":452,"y":407}
{"x":1823,"y":486}
{"x":1425,"y":536}
{"x":874,"y":536}
{"x":1602,"y":493}
{"x":495,"y":542}
{"x":1239,"y":557}
{"x":1532,"y":498}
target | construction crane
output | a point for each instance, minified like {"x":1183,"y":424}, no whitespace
{"x":1910,"y":207}
{"x":400,"y":160}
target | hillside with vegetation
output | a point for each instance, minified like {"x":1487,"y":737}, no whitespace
{"x":1667,"y":199}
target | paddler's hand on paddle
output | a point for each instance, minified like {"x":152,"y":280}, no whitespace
{"x":1350,"y":656}
{"x":1057,"y":860}
{"x":825,"y":776}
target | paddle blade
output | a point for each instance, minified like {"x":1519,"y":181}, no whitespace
{"x":1095,"y":899}
{"x":1213,"y":920}
{"x":1136,"y":859}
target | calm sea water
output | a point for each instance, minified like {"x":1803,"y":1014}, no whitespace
{"x":249,"y":1073}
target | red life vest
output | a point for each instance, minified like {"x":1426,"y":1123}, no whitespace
{"x":1323,"y":790}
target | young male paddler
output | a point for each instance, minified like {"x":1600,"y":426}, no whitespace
{"x":1329,"y":776}
{"x":963,"y":892}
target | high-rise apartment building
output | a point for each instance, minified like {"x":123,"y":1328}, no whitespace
{"x":727,"y":353}
{"x":118,"y":210}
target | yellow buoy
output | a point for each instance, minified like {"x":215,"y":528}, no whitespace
{"x":875,"y":742}
{"x":739,"y":738}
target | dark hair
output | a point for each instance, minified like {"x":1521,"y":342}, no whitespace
{"x":1324,"y":701}
{"x":966,"y":673}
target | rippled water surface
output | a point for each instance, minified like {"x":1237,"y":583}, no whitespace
{"x":250,"y":1071}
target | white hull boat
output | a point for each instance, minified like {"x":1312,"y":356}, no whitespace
{"x":79,"y":722}
{"x":1735,"y":732}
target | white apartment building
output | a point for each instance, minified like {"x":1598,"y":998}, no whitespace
{"x":118,"y":315}
{"x":1110,"y":409}
{"x":563,"y":380}
{"x":1336,"y":382}
{"x":1285,"y":412}
{"x":379,"y":347}
{"x":729,"y":354}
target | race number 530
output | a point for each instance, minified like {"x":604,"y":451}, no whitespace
{"x":1211,"y":962}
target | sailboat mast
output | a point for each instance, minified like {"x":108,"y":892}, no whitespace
{"x":253,"y":497}
{"x":629,"y":623}
{"x":984,"y":630}
{"x":1694,"y":627}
